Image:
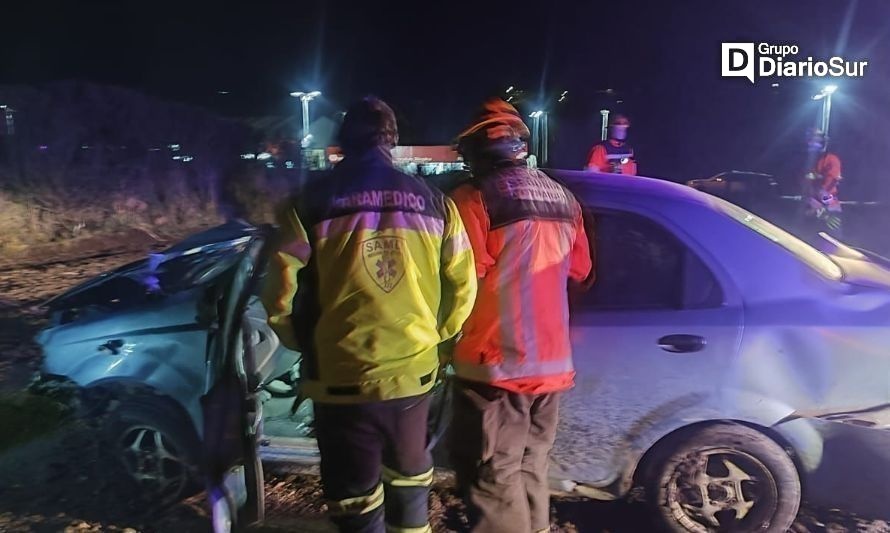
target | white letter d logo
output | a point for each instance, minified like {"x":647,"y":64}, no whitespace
{"x":738,"y":60}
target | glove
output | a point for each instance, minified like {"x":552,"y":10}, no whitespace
{"x":446,"y":350}
{"x":831,"y":220}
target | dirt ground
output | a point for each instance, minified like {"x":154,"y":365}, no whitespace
{"x":56,"y":483}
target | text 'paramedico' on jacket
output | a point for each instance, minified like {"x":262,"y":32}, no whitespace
{"x":528,"y":239}
{"x":385,"y":274}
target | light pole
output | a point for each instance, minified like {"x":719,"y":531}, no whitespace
{"x":604,"y":130}
{"x":10,"y":119}
{"x":539,"y":135}
{"x":825,"y":96}
{"x":305,"y":98}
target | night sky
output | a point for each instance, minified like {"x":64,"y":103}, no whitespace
{"x":435,"y":61}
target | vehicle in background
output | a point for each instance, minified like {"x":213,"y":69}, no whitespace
{"x":743,"y":188}
{"x":780,"y":202}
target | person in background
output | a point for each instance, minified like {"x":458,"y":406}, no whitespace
{"x":614,"y":155}
{"x":385,"y":275}
{"x":821,"y":183}
{"x":514,"y":357}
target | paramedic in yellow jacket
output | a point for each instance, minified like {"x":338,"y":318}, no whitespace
{"x":385,"y":275}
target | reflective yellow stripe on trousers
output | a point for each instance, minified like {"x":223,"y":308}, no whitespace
{"x":359,"y":504}
{"x":423,"y":529}
{"x":395,"y":479}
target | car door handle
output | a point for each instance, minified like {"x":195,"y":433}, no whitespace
{"x":682,"y":343}
{"x":114,"y":346}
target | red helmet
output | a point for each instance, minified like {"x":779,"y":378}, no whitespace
{"x":498,"y":132}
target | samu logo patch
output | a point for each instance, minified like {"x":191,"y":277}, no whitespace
{"x":384,"y":260}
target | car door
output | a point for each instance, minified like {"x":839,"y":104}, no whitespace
{"x":231,"y":407}
{"x":649,"y":340}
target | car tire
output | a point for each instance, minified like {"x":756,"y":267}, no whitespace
{"x":154,"y":451}
{"x":750,"y":482}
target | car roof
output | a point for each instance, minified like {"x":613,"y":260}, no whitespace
{"x":742,"y":173}
{"x":585,"y":182}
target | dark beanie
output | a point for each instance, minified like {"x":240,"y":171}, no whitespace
{"x":368,"y":123}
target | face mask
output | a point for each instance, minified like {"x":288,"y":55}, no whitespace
{"x":619,"y":133}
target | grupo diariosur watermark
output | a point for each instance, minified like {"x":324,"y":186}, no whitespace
{"x":764,"y":60}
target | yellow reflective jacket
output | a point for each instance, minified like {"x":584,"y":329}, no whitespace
{"x":386,"y":274}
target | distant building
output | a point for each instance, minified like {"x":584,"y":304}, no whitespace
{"x":417,"y":160}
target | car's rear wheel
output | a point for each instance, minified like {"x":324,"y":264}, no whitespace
{"x":725,"y":477}
{"x":154,"y":450}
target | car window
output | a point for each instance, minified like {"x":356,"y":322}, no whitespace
{"x":641,"y":265}
{"x":803,"y":251}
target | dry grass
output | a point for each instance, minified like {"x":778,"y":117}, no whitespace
{"x":48,"y":217}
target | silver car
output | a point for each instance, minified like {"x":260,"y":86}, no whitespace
{"x":723,"y":365}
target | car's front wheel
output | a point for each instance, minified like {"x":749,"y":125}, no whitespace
{"x":725,"y":477}
{"x":154,"y":451}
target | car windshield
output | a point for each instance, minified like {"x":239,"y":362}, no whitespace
{"x":803,"y":251}
{"x":176,"y":269}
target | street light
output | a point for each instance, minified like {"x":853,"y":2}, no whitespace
{"x":825,"y":96}
{"x":539,"y":135}
{"x":604,"y":130}
{"x":305,"y":98}
{"x":10,"y":119}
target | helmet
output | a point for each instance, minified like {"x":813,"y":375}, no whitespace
{"x":816,"y":139}
{"x":498,"y":133}
{"x":618,"y":125}
{"x":618,"y":119}
{"x":368,"y":123}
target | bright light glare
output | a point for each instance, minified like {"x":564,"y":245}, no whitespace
{"x":510,"y":88}
{"x":305,"y":96}
{"x":536,"y":114}
{"x":829,"y":89}
{"x":818,"y":96}
{"x":263,"y":156}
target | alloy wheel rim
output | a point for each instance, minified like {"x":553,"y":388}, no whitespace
{"x":153,"y":463}
{"x":722,"y":489}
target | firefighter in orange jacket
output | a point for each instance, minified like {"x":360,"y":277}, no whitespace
{"x":514,"y":358}
{"x":614,"y":155}
{"x":821,"y":184}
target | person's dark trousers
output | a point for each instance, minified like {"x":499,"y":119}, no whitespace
{"x":500,"y":446}
{"x":375,"y":464}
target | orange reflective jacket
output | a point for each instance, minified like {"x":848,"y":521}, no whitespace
{"x":528,"y":239}
{"x":829,"y":168}
{"x":612,"y":157}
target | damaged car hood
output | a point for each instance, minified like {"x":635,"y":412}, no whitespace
{"x":194,"y":261}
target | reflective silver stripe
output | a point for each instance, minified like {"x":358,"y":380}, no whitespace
{"x":370,"y":220}
{"x":512,"y":369}
{"x":456,"y":244}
